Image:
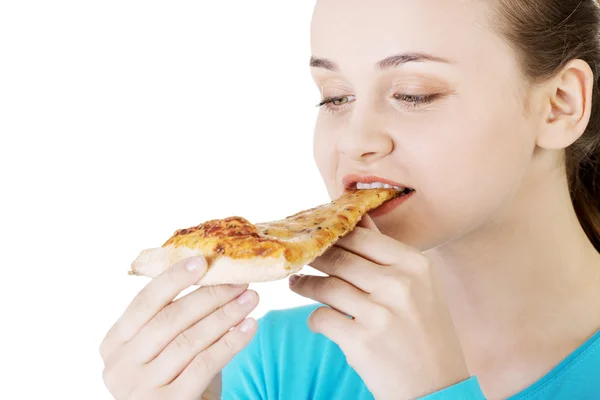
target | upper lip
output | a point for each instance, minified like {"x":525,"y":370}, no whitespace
{"x":350,"y":181}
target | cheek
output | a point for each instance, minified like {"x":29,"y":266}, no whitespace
{"x":476,"y":169}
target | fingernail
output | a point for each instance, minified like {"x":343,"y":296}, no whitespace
{"x":293,"y":279}
{"x":245,"y":298}
{"x":245,"y":326}
{"x":194,"y":264}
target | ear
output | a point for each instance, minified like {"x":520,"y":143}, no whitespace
{"x":567,"y":106}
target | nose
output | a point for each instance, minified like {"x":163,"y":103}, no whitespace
{"x":365,"y":138}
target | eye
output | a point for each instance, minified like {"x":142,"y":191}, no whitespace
{"x":340,"y":100}
{"x":335,"y":104}
{"x":414,"y":100}
{"x":409,"y":101}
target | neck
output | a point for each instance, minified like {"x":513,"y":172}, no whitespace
{"x":531,"y":269}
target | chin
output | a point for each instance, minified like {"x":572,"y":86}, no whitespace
{"x":419,"y":235}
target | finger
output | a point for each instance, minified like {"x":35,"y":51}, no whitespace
{"x":367,"y":222}
{"x":189,"y":343}
{"x":159,"y":292}
{"x":377,"y":247}
{"x":332,"y":291}
{"x":333,"y":324}
{"x":354,"y":269}
{"x":197,"y":375}
{"x":179,"y":316}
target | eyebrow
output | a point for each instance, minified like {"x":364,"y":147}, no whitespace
{"x":389,"y":62}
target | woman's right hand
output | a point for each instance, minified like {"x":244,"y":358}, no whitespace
{"x":164,"y":349}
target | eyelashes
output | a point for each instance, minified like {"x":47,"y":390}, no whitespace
{"x":335,"y":101}
{"x":408,"y":101}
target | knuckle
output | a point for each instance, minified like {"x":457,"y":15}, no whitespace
{"x":143,"y":300}
{"x":404,"y":289}
{"x":144,"y":394}
{"x":184,"y":342}
{"x":204,"y":362}
{"x":316,"y":318}
{"x":173,"y":275}
{"x":168,"y":392}
{"x":165,"y":317}
{"x":317,"y":286}
{"x":230,"y":343}
{"x":312,"y":322}
{"x":111,"y":379}
{"x":399,"y":285}
{"x":402,"y":285}
{"x":103,"y":349}
{"x":213,"y":292}
{"x":380,"y":316}
{"x":107,"y":376}
{"x":339,"y":259}
{"x":109,"y":352}
{"x":226,"y":313}
{"x":326,"y":284}
{"x":421,"y":263}
{"x":358,"y":235}
{"x":124,"y":382}
{"x":138,"y":395}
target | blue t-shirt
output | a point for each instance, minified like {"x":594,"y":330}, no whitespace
{"x":286,"y":361}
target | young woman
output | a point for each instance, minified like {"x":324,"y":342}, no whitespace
{"x":483,"y":283}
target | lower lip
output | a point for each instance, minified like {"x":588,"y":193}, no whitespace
{"x":390,"y":205}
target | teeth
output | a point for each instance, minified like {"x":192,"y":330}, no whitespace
{"x":378,"y":185}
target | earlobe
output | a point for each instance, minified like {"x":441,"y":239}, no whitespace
{"x":568,"y":108}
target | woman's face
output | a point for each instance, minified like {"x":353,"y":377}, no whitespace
{"x":446,"y":117}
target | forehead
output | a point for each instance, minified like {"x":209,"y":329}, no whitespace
{"x":357,"y":31}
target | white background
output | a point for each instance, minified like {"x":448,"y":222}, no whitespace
{"x":120,"y":122}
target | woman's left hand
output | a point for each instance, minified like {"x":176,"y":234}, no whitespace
{"x":401,"y":339}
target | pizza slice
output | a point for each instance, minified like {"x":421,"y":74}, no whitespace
{"x":238,"y":251}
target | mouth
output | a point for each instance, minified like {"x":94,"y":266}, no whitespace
{"x":355,"y":182}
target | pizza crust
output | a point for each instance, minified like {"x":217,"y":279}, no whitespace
{"x":152,"y":262}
